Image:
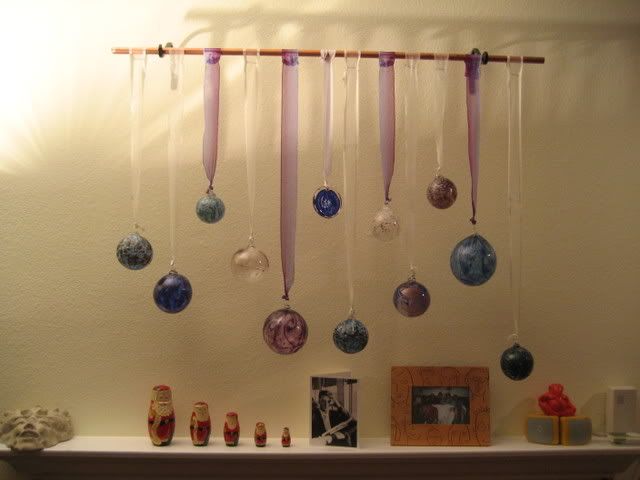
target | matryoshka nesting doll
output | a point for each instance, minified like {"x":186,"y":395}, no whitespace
{"x":161,"y":416}
{"x":200,"y":426}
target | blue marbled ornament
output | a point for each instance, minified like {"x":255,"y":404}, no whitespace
{"x":134,"y":251}
{"x":327,"y":202}
{"x":473,"y":260}
{"x":172,"y":293}
{"x":210,"y":208}
{"x":516,"y":362}
{"x":351,"y":336}
{"x":411,"y":298}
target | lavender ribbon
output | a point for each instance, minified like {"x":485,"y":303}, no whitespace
{"x":289,"y":167}
{"x":211,"y":112}
{"x":472,"y":72}
{"x":387,"y":117}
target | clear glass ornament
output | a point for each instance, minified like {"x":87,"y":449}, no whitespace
{"x":285,"y":331}
{"x":134,"y":251}
{"x":210,"y":208}
{"x":173,"y":292}
{"x":351,"y":335}
{"x":473,"y":260}
{"x":249,"y":263}
{"x":385,"y":224}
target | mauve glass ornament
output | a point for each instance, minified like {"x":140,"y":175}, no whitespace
{"x":210,"y":208}
{"x":442,"y":192}
{"x":516,"y":362}
{"x":172,"y":293}
{"x":351,"y":335}
{"x":249,"y":264}
{"x":473,"y":260}
{"x":411,"y":298}
{"x":134,"y":251}
{"x":285,"y":331}
{"x":385,"y":224}
{"x":327,"y":202}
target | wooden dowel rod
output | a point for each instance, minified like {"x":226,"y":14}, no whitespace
{"x":273,"y":52}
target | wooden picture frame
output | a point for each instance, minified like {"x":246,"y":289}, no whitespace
{"x":440,"y":406}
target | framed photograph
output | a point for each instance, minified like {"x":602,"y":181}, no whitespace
{"x":440,"y":406}
{"x":334,"y":411}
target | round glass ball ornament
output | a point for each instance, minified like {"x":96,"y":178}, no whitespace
{"x":210,"y":208}
{"x":385,"y":224}
{"x":411,"y":298}
{"x":442,"y":192}
{"x":172,"y":293}
{"x":473,"y":260}
{"x":285,"y":331}
{"x":327,"y":202}
{"x":351,"y":335}
{"x":134,"y":251}
{"x":249,"y":264}
{"x":516,"y":362}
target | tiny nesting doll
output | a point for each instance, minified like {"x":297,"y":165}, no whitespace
{"x":260,"y":435}
{"x":286,"y":437}
{"x":231,"y":429}
{"x":161,"y":416}
{"x":200,"y":426}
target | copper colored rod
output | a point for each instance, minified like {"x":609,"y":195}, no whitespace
{"x":273,"y":52}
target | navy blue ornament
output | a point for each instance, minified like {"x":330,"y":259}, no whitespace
{"x":210,"y":208}
{"x":134,"y":251}
{"x":411,"y":298}
{"x":351,"y":336}
{"x":473,"y":260}
{"x":172,"y":293}
{"x":327,"y":202}
{"x":516,"y":362}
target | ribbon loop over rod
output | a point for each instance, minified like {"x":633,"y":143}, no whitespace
{"x":410,"y":124}
{"x":440,"y":101}
{"x":211,"y":113}
{"x":251,"y":85}
{"x":138,"y":69}
{"x":176,"y":113}
{"x":472,"y":72}
{"x":387,"y":118}
{"x":327,"y":57}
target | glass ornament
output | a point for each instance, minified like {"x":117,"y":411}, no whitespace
{"x":411,"y":298}
{"x":172,"y":293}
{"x":385,"y":224}
{"x":473,"y":260}
{"x":210,"y":208}
{"x":516,"y":362}
{"x":442,"y":192}
{"x":285,"y":331}
{"x":327,"y":202}
{"x":249,"y":263}
{"x":351,"y":335}
{"x":134,"y":251}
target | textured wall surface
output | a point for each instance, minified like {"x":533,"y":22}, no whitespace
{"x":80,"y":332}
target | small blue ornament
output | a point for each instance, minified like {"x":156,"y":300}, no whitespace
{"x":473,"y":260}
{"x":210,"y":208}
{"x":327,"y":202}
{"x":172,"y":293}
{"x":516,"y":362}
{"x":134,"y":251}
{"x":351,"y":336}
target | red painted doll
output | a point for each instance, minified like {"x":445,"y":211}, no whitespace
{"x":286,"y":437}
{"x":260,"y":435}
{"x":231,"y":430}
{"x":200,"y":426}
{"x":556,"y":403}
{"x":161,"y":416}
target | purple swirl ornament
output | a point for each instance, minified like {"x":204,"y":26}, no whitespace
{"x":411,"y":298}
{"x":285,"y":331}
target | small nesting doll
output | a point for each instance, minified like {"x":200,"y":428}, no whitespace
{"x":260,"y":435}
{"x":231,"y":429}
{"x":161,"y":416}
{"x":286,"y":437}
{"x":200,"y":426}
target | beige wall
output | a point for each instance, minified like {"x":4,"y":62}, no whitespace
{"x":80,"y":332}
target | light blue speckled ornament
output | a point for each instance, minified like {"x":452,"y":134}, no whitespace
{"x":351,"y":335}
{"x":134,"y":251}
{"x":210,"y":208}
{"x":473,"y":260}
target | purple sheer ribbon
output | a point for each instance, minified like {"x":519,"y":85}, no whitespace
{"x":387,"y":116}
{"x":289,"y":167}
{"x":472,"y":72}
{"x":211,"y":112}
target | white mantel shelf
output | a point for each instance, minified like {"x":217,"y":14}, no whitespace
{"x":136,"y":458}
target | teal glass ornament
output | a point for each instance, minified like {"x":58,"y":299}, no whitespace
{"x":134,"y":251}
{"x":351,"y":335}
{"x":473,"y":260}
{"x":210,"y":208}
